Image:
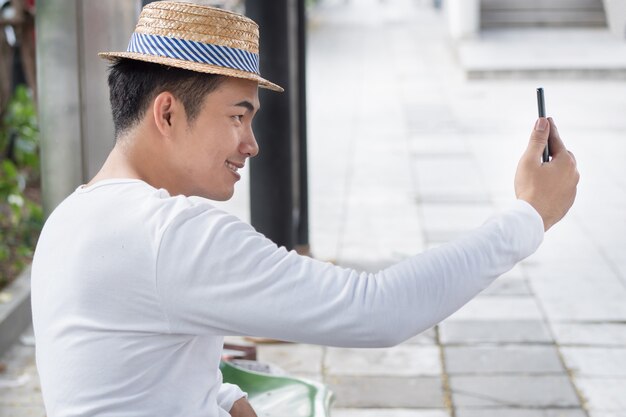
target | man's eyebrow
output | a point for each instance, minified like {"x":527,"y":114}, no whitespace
{"x":248,"y":105}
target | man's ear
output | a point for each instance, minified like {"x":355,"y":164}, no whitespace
{"x":165,"y":110}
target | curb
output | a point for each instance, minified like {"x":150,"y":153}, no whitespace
{"x":15,"y":313}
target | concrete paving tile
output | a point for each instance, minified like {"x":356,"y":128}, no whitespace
{"x":613,"y":249}
{"x":389,"y":149}
{"x":494,"y":331}
{"x":617,"y":258}
{"x":552,"y":272}
{"x":21,"y":398}
{"x":424,"y":145}
{"x":332,"y":188}
{"x":486,"y":360}
{"x":447,"y":197}
{"x":516,"y":273}
{"x":454,"y":217}
{"x":620,"y":266}
{"x":18,"y":359}
{"x":20,"y":390}
{"x":499,"y":308}
{"x":596,"y":361}
{"x":501,"y":154}
{"x":395,"y":245}
{"x":330,"y":214}
{"x":560,"y":251}
{"x":330,"y":226}
{"x":508,"y":287}
{"x":378,"y":250}
{"x":433,"y":117}
{"x":374,"y":210}
{"x":330,"y":231}
{"x":591,"y":334}
{"x":448,"y":176}
{"x":515,"y":412}
{"x":386,"y":392}
{"x":590,"y":297}
{"x":402,"y":360}
{"x":388,"y":412}
{"x":25,"y":411}
{"x":395,"y":176}
{"x":603,"y":394}
{"x":376,"y":221}
{"x":371,"y":127}
{"x":388,"y":238}
{"x":380,"y":197}
{"x":324,"y":249}
{"x":513,"y":391}
{"x":292,"y":357}
{"x":365,"y":232}
{"x":438,"y":237}
{"x":427,"y":337}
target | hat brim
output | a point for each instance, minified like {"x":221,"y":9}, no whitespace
{"x":193,"y":66}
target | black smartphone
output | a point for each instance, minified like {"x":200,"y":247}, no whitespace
{"x":541,"y":107}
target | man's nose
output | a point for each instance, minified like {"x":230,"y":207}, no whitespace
{"x":249,"y":145}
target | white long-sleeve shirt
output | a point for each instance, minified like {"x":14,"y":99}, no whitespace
{"x":133,"y":291}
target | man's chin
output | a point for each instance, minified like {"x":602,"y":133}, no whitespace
{"x":221,"y":196}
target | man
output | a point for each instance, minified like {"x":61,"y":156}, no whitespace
{"x":130,"y":317}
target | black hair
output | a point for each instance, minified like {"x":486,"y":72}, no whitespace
{"x":133,"y":84}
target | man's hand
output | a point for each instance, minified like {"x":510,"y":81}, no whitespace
{"x":242,"y":408}
{"x":549,"y":187}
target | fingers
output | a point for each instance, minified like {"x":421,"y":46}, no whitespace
{"x":557,"y":147}
{"x":538,"y":140}
{"x":556,"y":144}
{"x":549,"y":187}
{"x":545,"y":132}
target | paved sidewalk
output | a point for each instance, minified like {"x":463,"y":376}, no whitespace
{"x":405,"y":154}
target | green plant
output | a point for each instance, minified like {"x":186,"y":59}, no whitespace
{"x":21,"y":217}
{"x":20,"y":138}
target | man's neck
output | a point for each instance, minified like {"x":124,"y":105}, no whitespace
{"x":117,"y":165}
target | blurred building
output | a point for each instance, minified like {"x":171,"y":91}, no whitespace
{"x":555,"y":13}
{"x":469,"y":17}
{"x":539,"y":38}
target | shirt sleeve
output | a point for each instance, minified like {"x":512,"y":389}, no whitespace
{"x":228,"y":394}
{"x":217,"y":275}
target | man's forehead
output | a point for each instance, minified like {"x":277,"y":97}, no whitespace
{"x":239,"y":92}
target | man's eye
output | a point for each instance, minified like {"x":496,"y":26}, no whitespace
{"x":238,"y":117}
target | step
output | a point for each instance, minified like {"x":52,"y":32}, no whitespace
{"x":542,"y":13}
{"x":543,"y":53}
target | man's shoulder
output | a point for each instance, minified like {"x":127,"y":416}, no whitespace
{"x":131,"y":206}
{"x":122,"y":197}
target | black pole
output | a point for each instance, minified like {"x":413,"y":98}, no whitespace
{"x":302,"y":238}
{"x":271,"y":177}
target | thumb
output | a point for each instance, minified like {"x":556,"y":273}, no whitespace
{"x":538,"y":139}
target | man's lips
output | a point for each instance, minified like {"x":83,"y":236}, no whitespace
{"x":234,"y":166}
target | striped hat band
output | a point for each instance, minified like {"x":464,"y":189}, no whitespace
{"x":187,"y":50}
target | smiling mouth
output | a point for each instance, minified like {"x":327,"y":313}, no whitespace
{"x":234,"y":168}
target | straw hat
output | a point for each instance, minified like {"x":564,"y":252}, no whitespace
{"x":196,"y":38}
